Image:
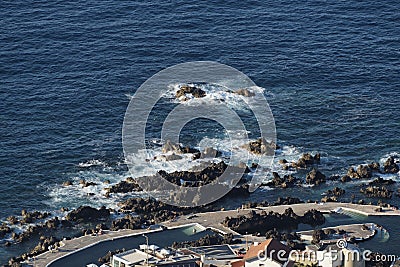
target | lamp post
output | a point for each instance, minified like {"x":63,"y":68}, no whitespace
{"x":247,"y":246}
{"x":147,"y":249}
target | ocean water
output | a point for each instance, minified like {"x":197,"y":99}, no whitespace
{"x":330,"y":71}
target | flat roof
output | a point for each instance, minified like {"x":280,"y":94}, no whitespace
{"x":215,"y":252}
{"x":134,"y":256}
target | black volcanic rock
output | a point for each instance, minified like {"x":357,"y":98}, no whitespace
{"x":245,"y":92}
{"x":195,"y":178}
{"x":30,"y":217}
{"x":287,"y":201}
{"x":129,"y":185}
{"x":374,"y":166}
{"x":190,"y":89}
{"x":87,"y":214}
{"x":208,"y":240}
{"x":313,"y":218}
{"x":4,"y":230}
{"x":375,"y":191}
{"x":390,"y":166}
{"x":283,"y":182}
{"x":127,"y":222}
{"x":263,"y":222}
{"x":315,"y":177}
{"x":364,"y":171}
{"x":307,"y":160}
{"x":337,"y":191}
{"x":261,"y":147}
{"x":380,"y":181}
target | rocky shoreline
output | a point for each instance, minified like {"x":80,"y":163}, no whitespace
{"x":135,"y":213}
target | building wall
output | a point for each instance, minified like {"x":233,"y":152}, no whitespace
{"x":329,"y":259}
{"x":264,"y":263}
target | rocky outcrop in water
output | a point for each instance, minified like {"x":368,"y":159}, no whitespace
{"x":190,"y":89}
{"x":375,"y":166}
{"x":307,"y":160}
{"x":30,"y":217}
{"x":376,"y":191}
{"x":315,"y":177}
{"x":68,"y":183}
{"x":362,"y":172}
{"x":45,"y":244}
{"x":380,"y":181}
{"x":390,"y":166}
{"x":329,"y":199}
{"x":287,"y":201}
{"x":170,"y":147}
{"x":245,"y":92}
{"x":4,"y":230}
{"x":196,"y":178}
{"x":85,"y":183}
{"x":261,"y":147}
{"x":332,"y":195}
{"x":129,"y":185}
{"x":87,"y":214}
{"x":283,"y":182}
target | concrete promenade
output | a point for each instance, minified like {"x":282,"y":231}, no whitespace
{"x":210,"y":220}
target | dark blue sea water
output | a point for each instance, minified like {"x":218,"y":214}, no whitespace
{"x":331,"y":70}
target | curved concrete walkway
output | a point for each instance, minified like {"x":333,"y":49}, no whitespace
{"x":211,"y":220}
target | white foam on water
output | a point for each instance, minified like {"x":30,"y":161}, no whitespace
{"x":150,"y":161}
{"x":129,"y":96}
{"x":214,"y":93}
{"x":76,"y":195}
{"x":393,"y":176}
{"x":93,"y":162}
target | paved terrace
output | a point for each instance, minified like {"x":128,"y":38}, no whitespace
{"x":352,"y":230}
{"x":212,"y":220}
{"x":79,"y":243}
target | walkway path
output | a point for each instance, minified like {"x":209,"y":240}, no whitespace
{"x":212,"y":220}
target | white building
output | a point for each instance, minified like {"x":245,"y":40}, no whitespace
{"x":333,"y":256}
{"x":138,"y":258}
